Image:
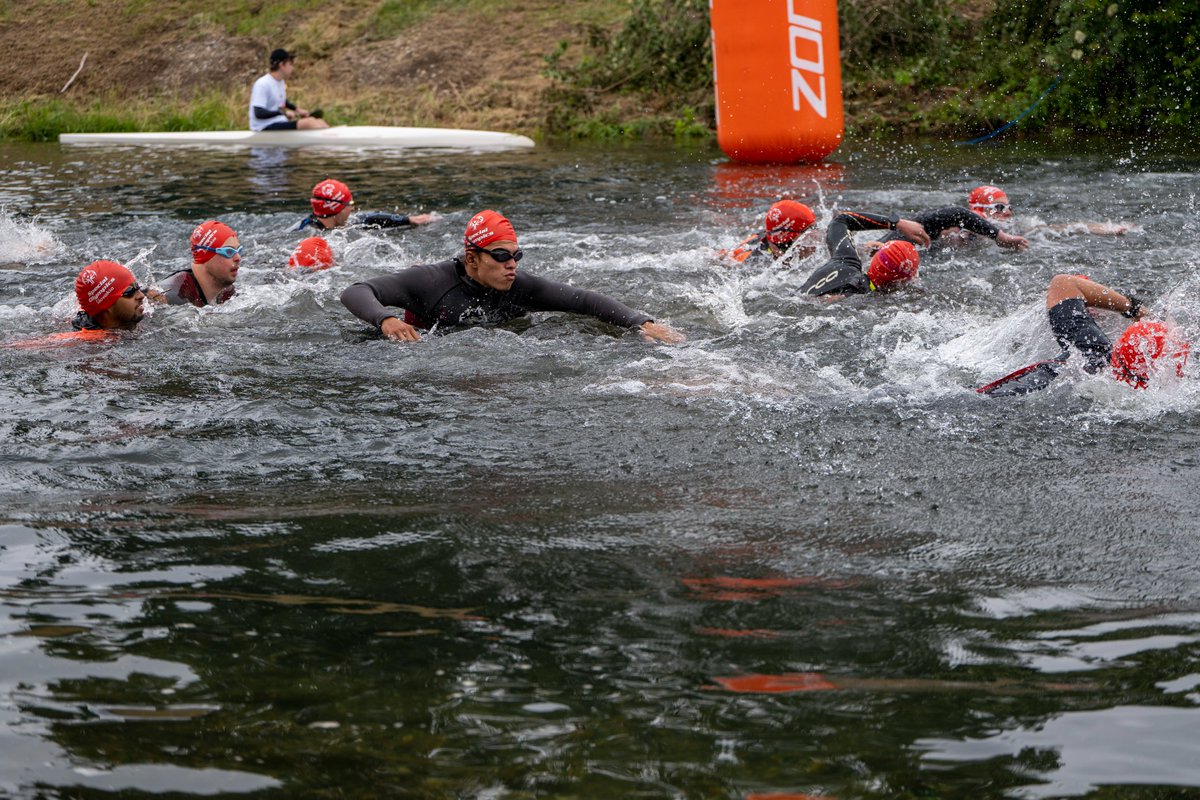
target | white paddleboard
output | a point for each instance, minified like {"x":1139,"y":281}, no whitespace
{"x":340,"y":136}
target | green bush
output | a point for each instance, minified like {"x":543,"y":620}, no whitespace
{"x":662,"y":55}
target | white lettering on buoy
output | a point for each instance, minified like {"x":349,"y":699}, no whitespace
{"x":806,"y":29}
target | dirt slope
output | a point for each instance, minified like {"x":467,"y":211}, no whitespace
{"x":471,"y":64}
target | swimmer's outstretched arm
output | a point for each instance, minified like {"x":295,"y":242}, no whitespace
{"x":968,"y":220}
{"x":1011,"y":242}
{"x":1093,"y":295}
{"x":913,"y":231}
{"x":363,"y":301}
{"x":399,"y":331}
{"x":1094,"y":228}
{"x":658,"y":332}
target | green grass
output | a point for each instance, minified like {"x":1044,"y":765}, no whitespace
{"x":42,"y":119}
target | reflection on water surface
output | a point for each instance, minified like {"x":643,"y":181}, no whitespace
{"x":253,"y":549}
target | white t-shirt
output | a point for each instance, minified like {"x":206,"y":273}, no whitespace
{"x":268,"y":92}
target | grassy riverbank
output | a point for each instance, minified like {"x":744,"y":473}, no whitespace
{"x":592,"y":69}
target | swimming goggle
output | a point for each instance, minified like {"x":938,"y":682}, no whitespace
{"x":500,"y":255}
{"x":999,"y":208}
{"x":132,"y":290}
{"x":224,"y":252}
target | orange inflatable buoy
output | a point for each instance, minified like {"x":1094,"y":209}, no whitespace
{"x":778,"y":75}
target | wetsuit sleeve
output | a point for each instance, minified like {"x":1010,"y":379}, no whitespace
{"x":265,"y":113}
{"x":940,"y":219}
{"x":540,"y":294}
{"x":842,"y":273}
{"x":377,"y":299}
{"x":379,"y":219}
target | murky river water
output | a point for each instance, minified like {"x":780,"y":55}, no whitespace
{"x":255,"y":549}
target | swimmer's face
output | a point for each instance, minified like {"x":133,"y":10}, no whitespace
{"x":800,"y":251}
{"x":808,"y":241}
{"x":224,"y":270}
{"x":339,"y":219}
{"x":778,"y":248}
{"x":492,"y":273}
{"x":997,"y":212}
{"x":127,"y":312}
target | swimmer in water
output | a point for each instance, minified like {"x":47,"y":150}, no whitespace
{"x":1145,"y":348}
{"x":785,"y":222}
{"x":216,"y":257}
{"x":311,"y":255}
{"x":482,"y":286}
{"x":332,"y":205}
{"x":893,"y":265}
{"x":992,"y":203}
{"x":955,"y":226}
{"x":110,"y":301}
{"x":109,"y":298}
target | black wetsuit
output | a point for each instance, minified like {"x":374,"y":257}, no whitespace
{"x":181,"y":288}
{"x":442,"y":294}
{"x":760,"y":254}
{"x":843,"y":273}
{"x":1074,"y":329}
{"x":937,"y":221}
{"x":83,"y":322}
{"x":373,"y":219}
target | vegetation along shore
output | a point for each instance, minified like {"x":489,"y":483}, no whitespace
{"x":592,"y":69}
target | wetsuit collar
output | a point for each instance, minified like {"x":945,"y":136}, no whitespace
{"x":199,"y":288}
{"x":83,"y":322}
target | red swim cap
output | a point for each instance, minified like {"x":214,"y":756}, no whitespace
{"x":1140,"y":346}
{"x":786,"y":220}
{"x":314,"y":253}
{"x":896,"y":262}
{"x":984,"y":197}
{"x":329,"y":197}
{"x":487,"y":227}
{"x":100,"y":284}
{"x":209,"y":234}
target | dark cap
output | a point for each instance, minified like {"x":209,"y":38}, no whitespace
{"x":279,"y":56}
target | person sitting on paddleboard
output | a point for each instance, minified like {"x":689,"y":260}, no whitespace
{"x":332,"y":205}
{"x":110,"y":301}
{"x":785,"y":222}
{"x":1145,"y":348}
{"x":216,"y":257}
{"x":270,"y":109}
{"x":992,"y":203}
{"x":894,"y":264}
{"x":482,"y":286}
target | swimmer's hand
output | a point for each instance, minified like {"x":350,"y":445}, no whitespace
{"x":913,"y":231}
{"x":156,"y":295}
{"x":657,"y":332}
{"x":1011,"y":242}
{"x":421,"y":219}
{"x":399,"y":331}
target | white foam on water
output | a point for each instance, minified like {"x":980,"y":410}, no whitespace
{"x":25,"y":241}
